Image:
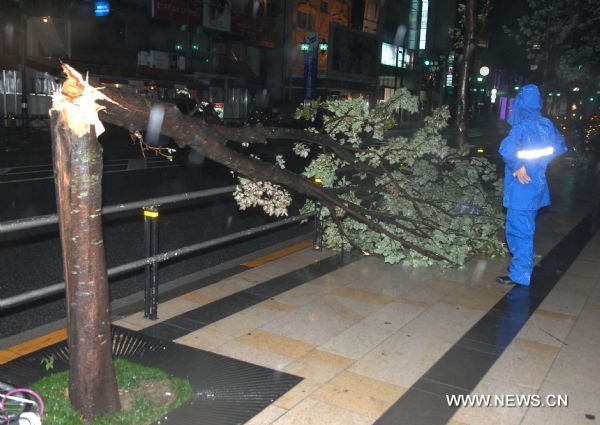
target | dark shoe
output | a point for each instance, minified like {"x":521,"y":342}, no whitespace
{"x":505,"y":280}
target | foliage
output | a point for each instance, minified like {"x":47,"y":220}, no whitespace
{"x":457,"y":33}
{"x":129,"y":375}
{"x":562,"y":36}
{"x":423,"y":202}
{"x":272,"y":198}
{"x":48,"y":362}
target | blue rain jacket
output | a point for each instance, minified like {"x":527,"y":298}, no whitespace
{"x":533,"y":142}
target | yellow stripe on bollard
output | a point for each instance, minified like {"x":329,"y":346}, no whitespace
{"x":150,"y":213}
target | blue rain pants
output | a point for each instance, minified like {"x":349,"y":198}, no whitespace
{"x":520,"y":230}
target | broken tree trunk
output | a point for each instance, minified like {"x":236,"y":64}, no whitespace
{"x":78,"y":178}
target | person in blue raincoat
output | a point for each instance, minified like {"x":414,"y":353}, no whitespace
{"x":527,"y":150}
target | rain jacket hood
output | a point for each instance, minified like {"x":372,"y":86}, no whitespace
{"x":533,"y":142}
{"x":527,"y":106}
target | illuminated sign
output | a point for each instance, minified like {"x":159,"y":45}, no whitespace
{"x":101,"y":8}
{"x":391,"y":55}
{"x":484,"y":71}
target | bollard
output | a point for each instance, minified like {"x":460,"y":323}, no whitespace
{"x":151,"y":270}
{"x":318,"y":238}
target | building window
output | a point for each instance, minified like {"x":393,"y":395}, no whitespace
{"x":305,"y":20}
{"x":412,"y":24}
{"x":324,"y":7}
{"x":424,"y":17}
{"x":392,"y":55}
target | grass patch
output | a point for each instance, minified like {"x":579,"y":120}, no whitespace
{"x":147,"y":394}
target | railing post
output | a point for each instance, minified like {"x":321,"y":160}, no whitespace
{"x":151,"y":270}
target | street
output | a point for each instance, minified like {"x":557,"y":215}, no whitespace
{"x":32,"y":259}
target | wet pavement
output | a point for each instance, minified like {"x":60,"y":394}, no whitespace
{"x":385,"y":344}
{"x":382,"y":344}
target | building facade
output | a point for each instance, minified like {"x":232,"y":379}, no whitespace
{"x":238,"y":54}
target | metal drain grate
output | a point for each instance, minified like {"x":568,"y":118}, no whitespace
{"x":226,"y":391}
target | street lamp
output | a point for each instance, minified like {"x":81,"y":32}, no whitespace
{"x":323,"y":46}
{"x":304,"y":46}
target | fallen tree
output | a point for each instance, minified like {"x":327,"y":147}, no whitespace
{"x":413,"y":200}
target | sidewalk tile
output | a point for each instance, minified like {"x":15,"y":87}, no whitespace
{"x":368,"y":386}
{"x":443,"y":321}
{"x":286,"y":252}
{"x":494,"y":415}
{"x":432,"y":290}
{"x":251,"y":354}
{"x":285,"y":346}
{"x":481,"y":298}
{"x":277,"y":306}
{"x":564,"y":301}
{"x":580,"y":404}
{"x":585,"y":332}
{"x":577,"y":364}
{"x":204,"y":339}
{"x":133,"y":324}
{"x":354,"y":401}
{"x":364,"y":296}
{"x":294,"y":396}
{"x":267,"y":416}
{"x":223,"y":288}
{"x":315,"y":412}
{"x":361,"y":338}
{"x":198,"y":298}
{"x":547,"y":327}
{"x":319,"y":366}
{"x":586,"y":268}
{"x":320,"y":321}
{"x":241,"y":323}
{"x":302,"y":295}
{"x":524,"y":363}
{"x":270,"y":270}
{"x":401,"y":359}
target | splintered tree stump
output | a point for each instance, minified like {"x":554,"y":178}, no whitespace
{"x":77,"y":159}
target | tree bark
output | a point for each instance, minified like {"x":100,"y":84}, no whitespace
{"x":78,"y":178}
{"x":462,"y":107}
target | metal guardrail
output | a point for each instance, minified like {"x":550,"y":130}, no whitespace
{"x":153,"y":258}
{"x":45,"y":220}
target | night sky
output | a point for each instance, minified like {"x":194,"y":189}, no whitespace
{"x":504,"y":52}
